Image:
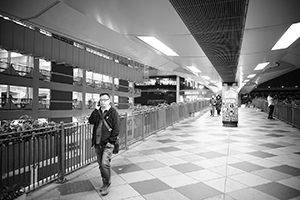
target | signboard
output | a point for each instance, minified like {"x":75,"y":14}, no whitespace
{"x":230,"y":105}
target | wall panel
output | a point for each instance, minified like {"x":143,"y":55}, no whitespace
{"x":55,"y":49}
{"x":100,"y":67}
{"x":81,"y":58}
{"x":92,"y":61}
{"x":87,"y":60}
{"x":96,"y":65}
{"x":6,"y":39}
{"x":105,"y":66}
{"x":110,"y":66}
{"x":47,"y":47}
{"x":62,"y":51}
{"x":18,"y":38}
{"x":38,"y":44}
{"x":70,"y":54}
{"x":29,"y":41}
{"x":76,"y":57}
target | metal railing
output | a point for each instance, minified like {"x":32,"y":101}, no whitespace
{"x":35,"y":157}
{"x":287,"y":113}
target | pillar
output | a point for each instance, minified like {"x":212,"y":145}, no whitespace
{"x":35,"y":88}
{"x":177,"y":89}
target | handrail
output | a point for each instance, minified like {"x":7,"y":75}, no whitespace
{"x":50,"y":153}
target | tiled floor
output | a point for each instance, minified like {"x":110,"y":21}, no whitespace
{"x":198,"y":159}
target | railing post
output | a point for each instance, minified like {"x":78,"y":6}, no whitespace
{"x":144,"y":128}
{"x":62,"y":154}
{"x":126,"y":132}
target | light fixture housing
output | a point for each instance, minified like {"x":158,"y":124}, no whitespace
{"x":155,"y":43}
{"x":290,"y":36}
{"x":261,"y":66}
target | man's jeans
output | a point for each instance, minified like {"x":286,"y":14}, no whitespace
{"x":104,"y":155}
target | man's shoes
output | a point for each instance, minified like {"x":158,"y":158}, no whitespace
{"x":105,"y":190}
{"x":104,"y":186}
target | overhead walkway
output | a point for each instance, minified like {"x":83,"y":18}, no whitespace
{"x":195,"y":159}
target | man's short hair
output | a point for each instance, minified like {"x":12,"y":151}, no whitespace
{"x":102,"y":94}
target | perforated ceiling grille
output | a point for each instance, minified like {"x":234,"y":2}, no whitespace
{"x":217,"y":26}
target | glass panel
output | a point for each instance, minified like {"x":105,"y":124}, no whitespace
{"x":77,"y":100}
{"x":98,"y":79}
{"x":3,"y":60}
{"x":107,"y":79}
{"x":89,"y":78}
{"x":45,"y":69}
{"x":22,"y":64}
{"x":4,"y":97}
{"x":21,"y":97}
{"x":89,"y":101}
{"x":44,"y":98}
{"x":77,"y":76}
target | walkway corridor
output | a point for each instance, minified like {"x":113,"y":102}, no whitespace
{"x":198,"y":159}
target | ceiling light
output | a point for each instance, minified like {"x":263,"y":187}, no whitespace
{"x":261,"y":66}
{"x":251,"y":75}
{"x":152,"y":41}
{"x":291,"y":35}
{"x":194,"y":69}
{"x":206,"y":77}
{"x":247,"y":80}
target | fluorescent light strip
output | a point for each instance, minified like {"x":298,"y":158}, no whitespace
{"x":261,"y":66}
{"x":246,"y":81}
{"x":251,"y":75}
{"x":154,"y":42}
{"x":194,"y":69}
{"x":290,"y":36}
{"x":206,"y":77}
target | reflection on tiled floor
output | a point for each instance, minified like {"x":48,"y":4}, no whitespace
{"x":198,"y":159}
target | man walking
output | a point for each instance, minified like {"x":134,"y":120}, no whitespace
{"x":105,"y":132}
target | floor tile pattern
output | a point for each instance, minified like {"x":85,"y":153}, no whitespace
{"x":199,"y":159}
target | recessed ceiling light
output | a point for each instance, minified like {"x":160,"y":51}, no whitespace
{"x":206,"y":77}
{"x":251,"y":75}
{"x":261,"y":66}
{"x":154,"y":42}
{"x":290,"y":36}
{"x":194,"y":69}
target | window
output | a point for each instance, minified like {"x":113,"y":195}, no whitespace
{"x":22,"y":64}
{"x":44,"y":98}
{"x":77,"y":100}
{"x":77,"y":76}
{"x":45,"y":69}
{"x":3,"y":60}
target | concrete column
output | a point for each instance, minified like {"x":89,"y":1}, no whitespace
{"x":113,"y":91}
{"x":177,"y":89}
{"x":83,"y":108}
{"x":35,"y":88}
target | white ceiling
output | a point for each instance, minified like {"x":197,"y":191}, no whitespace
{"x":114,"y":25}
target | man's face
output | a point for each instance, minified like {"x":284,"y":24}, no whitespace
{"x":104,"y":101}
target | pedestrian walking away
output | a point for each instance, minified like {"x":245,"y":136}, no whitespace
{"x":270,"y":101}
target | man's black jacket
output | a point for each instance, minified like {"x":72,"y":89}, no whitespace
{"x":112,"y":119}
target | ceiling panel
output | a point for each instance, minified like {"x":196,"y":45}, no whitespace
{"x":225,"y":39}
